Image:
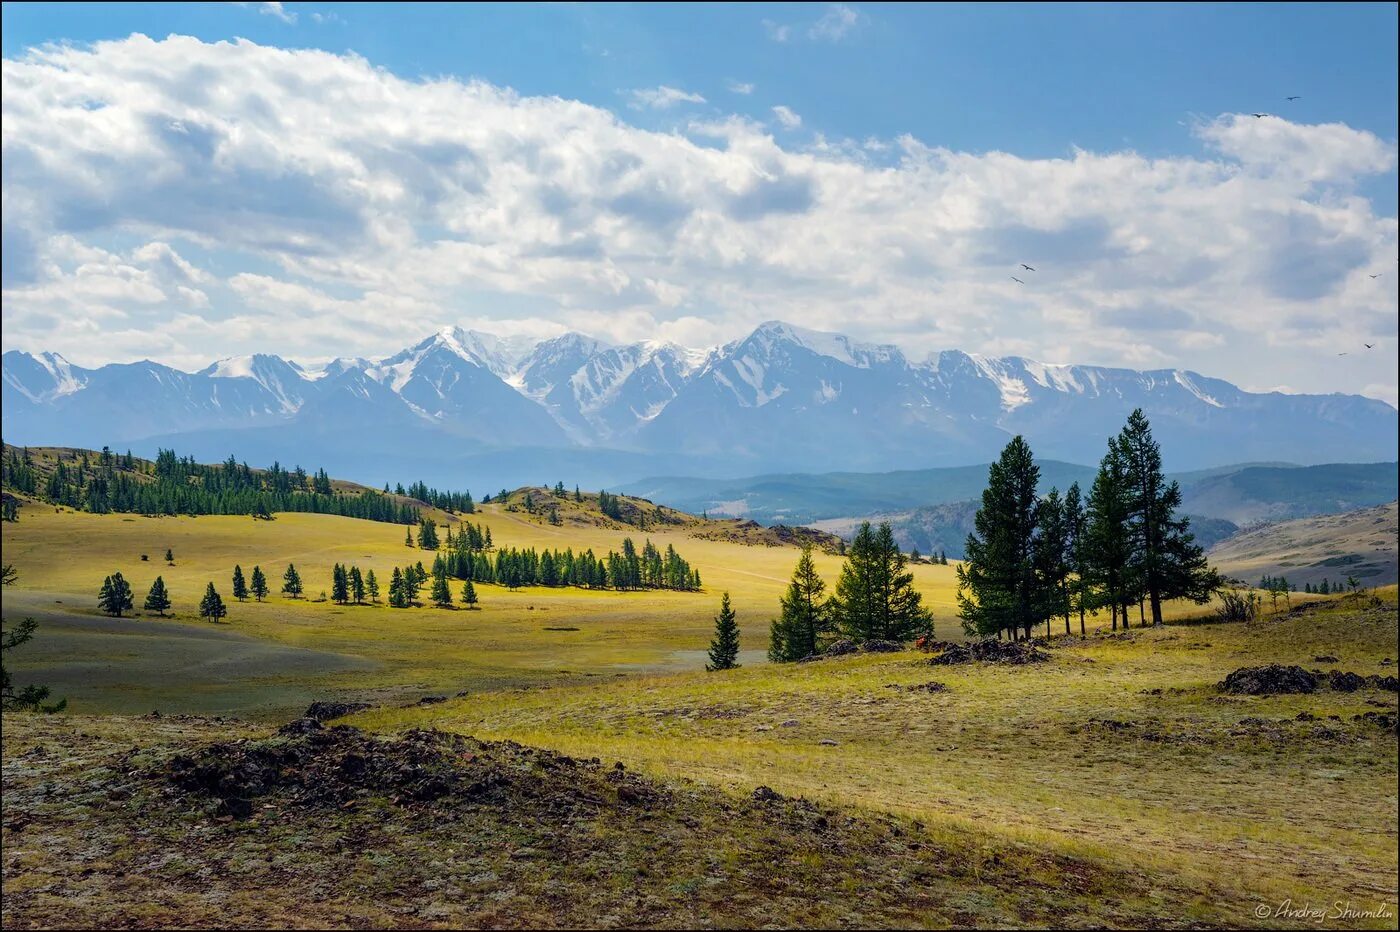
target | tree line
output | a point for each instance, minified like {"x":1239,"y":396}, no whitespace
{"x":1031,"y":558}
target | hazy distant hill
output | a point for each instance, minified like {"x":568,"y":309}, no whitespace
{"x":1358,"y":543}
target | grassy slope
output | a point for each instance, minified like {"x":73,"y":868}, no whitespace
{"x":1307,"y":550}
{"x":1079,"y":755}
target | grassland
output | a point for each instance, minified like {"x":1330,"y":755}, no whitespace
{"x":1358,"y":543}
{"x":1117,"y":759}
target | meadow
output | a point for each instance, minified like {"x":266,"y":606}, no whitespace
{"x":1119,"y":753}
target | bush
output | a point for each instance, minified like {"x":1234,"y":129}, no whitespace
{"x":1237,"y":605}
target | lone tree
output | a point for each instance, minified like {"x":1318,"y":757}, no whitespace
{"x":260,"y":589}
{"x":1168,"y":562}
{"x":996,"y":579}
{"x":158,"y":599}
{"x":115,"y":595}
{"x":291,"y":582}
{"x":806,"y":614}
{"x":469,"y":598}
{"x":211,"y":606}
{"x":240,"y":586}
{"x":169,"y":556}
{"x":875,"y":597}
{"x":724,"y":649}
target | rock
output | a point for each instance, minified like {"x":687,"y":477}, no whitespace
{"x":432,"y":700}
{"x":1268,"y":680}
{"x":837,"y":648}
{"x":990,"y":650}
{"x":1345,"y":682}
{"x":875,"y":646}
{"x":791,"y":723}
{"x":1325,"y":658}
{"x":325,"y":711}
{"x":765,"y":795}
{"x":828,"y":743}
{"x":301,"y":726}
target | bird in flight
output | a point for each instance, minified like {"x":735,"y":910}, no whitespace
{"x":1027,"y":267}
{"x":1369,"y":345}
{"x":1341,"y":354}
{"x":1299,"y":97}
{"x":1258,"y":115}
{"x":1378,"y":275}
{"x":1017,"y":280}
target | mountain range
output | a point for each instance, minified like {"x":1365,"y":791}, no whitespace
{"x":473,"y":410}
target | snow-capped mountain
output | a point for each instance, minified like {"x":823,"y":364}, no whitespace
{"x":782,"y":397}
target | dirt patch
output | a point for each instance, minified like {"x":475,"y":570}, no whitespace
{"x":1270,"y":680}
{"x":989,"y":650}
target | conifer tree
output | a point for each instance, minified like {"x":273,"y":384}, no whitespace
{"x":427,"y":535}
{"x":875,"y":597}
{"x":441,"y":594}
{"x":1052,"y":559}
{"x":805,"y":614}
{"x":1168,"y":563}
{"x":398,"y":597}
{"x":1108,"y":544}
{"x":158,"y":599}
{"x":469,"y":598}
{"x":411,"y":585}
{"x":372,"y":586}
{"x":240,"y":586}
{"x":357,"y":585}
{"x":115,"y":596}
{"x":291,"y":582}
{"x":408,"y":537}
{"x":211,"y":606}
{"x":997,"y":580}
{"x":1076,"y":529}
{"x":259,"y":584}
{"x":169,"y":556}
{"x":724,"y":649}
{"x":340,"y":585}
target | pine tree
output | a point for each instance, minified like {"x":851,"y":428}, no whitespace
{"x":997,"y":589}
{"x":805,"y":614}
{"x":158,"y":600}
{"x":211,"y":606}
{"x":411,"y":585}
{"x":169,"y":556}
{"x":372,"y":586}
{"x":357,"y":585}
{"x":115,"y":596}
{"x":340,"y":585}
{"x":291,"y":582}
{"x":1108,"y":545}
{"x":441,"y":594}
{"x":875,"y":597}
{"x":1052,"y":559}
{"x":469,"y":598}
{"x":724,"y":649}
{"x":1168,"y":563}
{"x":240,"y":586}
{"x":260,"y":589}
{"x":427,"y":535}
{"x":408,"y":537}
{"x":398,"y":597}
{"x":1076,"y":529}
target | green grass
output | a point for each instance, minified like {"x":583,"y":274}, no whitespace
{"x":1190,"y":787}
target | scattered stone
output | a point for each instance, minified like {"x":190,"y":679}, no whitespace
{"x":875,"y":646}
{"x":1268,"y":680}
{"x":1383,"y":720}
{"x":765,"y":795}
{"x":325,"y":711}
{"x":839,"y":648}
{"x":1345,"y":682}
{"x":828,"y":743}
{"x":432,"y":700}
{"x":990,"y":650}
{"x":932,"y":686}
{"x":791,"y":723}
{"x":1325,"y":658}
{"x":301,"y":726}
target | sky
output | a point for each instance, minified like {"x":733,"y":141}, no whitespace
{"x":188,"y":182}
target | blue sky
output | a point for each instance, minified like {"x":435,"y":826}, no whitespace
{"x":806,"y":93}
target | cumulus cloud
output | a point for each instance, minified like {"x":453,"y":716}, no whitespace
{"x":662,"y":98}
{"x":787,"y":117}
{"x":184,"y":200}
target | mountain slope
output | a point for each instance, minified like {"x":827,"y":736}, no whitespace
{"x":1358,"y":543}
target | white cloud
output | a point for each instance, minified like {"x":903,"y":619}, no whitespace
{"x":275,"y":8}
{"x":158,"y":202}
{"x":787,"y":117}
{"x":778,"y":32}
{"x":835,"y":24}
{"x":662,"y":98}
{"x":739,"y":87}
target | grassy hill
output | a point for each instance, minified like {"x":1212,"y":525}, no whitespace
{"x":1358,"y":543}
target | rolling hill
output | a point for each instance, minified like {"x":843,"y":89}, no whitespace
{"x":1359,"y":543}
